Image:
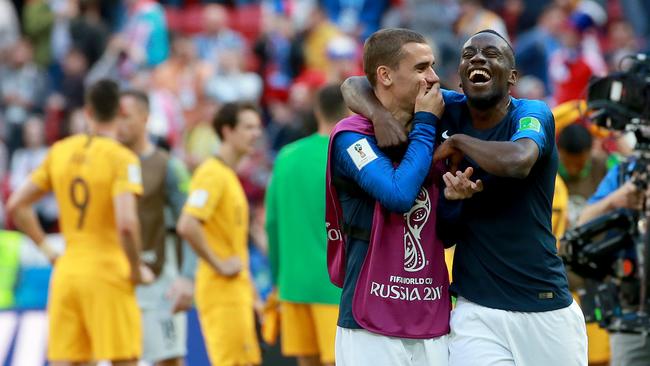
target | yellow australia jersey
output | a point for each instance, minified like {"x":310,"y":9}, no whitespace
{"x":85,"y":173}
{"x":560,"y":216}
{"x":217,"y":199}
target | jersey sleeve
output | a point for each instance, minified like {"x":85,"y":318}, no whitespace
{"x":205,"y":192}
{"x":41,"y":176}
{"x":535,"y":122}
{"x":128,"y":175}
{"x":357,"y":157}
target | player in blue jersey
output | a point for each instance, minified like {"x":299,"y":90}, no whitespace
{"x":514,"y":306}
{"x":399,"y":63}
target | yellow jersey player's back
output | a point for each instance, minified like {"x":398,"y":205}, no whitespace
{"x":85,"y":172}
{"x":92,"y":309}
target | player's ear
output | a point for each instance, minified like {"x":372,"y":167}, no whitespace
{"x":514,"y":76}
{"x":226,"y":131}
{"x":384,"y":75}
{"x":88,"y":112}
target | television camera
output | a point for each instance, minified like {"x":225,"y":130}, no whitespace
{"x":612,"y":251}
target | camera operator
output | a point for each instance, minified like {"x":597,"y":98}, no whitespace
{"x":617,"y":191}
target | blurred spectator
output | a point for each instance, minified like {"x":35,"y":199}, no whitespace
{"x":358,"y":18}
{"x":535,"y":47}
{"x":290,"y":122}
{"x":511,"y":13}
{"x":88,"y":31}
{"x":54,"y":115}
{"x":579,"y":58}
{"x":216,"y":37}
{"x":26,"y":160}
{"x":38,"y":21}
{"x":416,"y":15}
{"x":344,"y":58}
{"x":532,"y":10}
{"x":232,"y":83}
{"x":113,"y":64}
{"x":145,"y":34}
{"x":580,"y":169}
{"x":4,"y":165}
{"x":21,"y":87}
{"x":166,"y":121}
{"x":637,"y":12}
{"x":529,"y":87}
{"x":319,"y":33}
{"x":184,"y":76}
{"x":282,"y":128}
{"x":75,"y":67}
{"x":621,"y":42}
{"x":9,"y":27}
{"x":474,"y":18}
{"x":280,"y":55}
{"x":64,"y":11}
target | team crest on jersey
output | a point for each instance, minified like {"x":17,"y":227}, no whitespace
{"x":361,"y":153}
{"x":415,"y":219}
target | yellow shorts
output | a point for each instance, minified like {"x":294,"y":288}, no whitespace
{"x":598,"y":343}
{"x":229,"y":333}
{"x":92,"y":318}
{"x":308,"y":330}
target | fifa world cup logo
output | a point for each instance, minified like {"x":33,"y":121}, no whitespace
{"x":358,"y":148}
{"x":415,"y":220}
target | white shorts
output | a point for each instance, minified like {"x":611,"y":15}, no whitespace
{"x":359,"y":347}
{"x":481,"y":336}
{"x":164,"y":334}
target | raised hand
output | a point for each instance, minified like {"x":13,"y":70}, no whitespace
{"x":459,"y":186}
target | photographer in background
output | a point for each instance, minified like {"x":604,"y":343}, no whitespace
{"x":617,"y":191}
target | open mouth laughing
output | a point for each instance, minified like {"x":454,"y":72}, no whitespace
{"x":479,"y":76}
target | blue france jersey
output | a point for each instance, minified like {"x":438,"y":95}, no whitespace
{"x":506,"y":256}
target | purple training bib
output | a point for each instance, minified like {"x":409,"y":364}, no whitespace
{"x":403,"y":287}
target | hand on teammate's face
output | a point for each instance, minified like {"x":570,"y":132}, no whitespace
{"x":459,"y":186}
{"x":181,"y":294}
{"x":230,"y":267}
{"x":431,"y":100}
